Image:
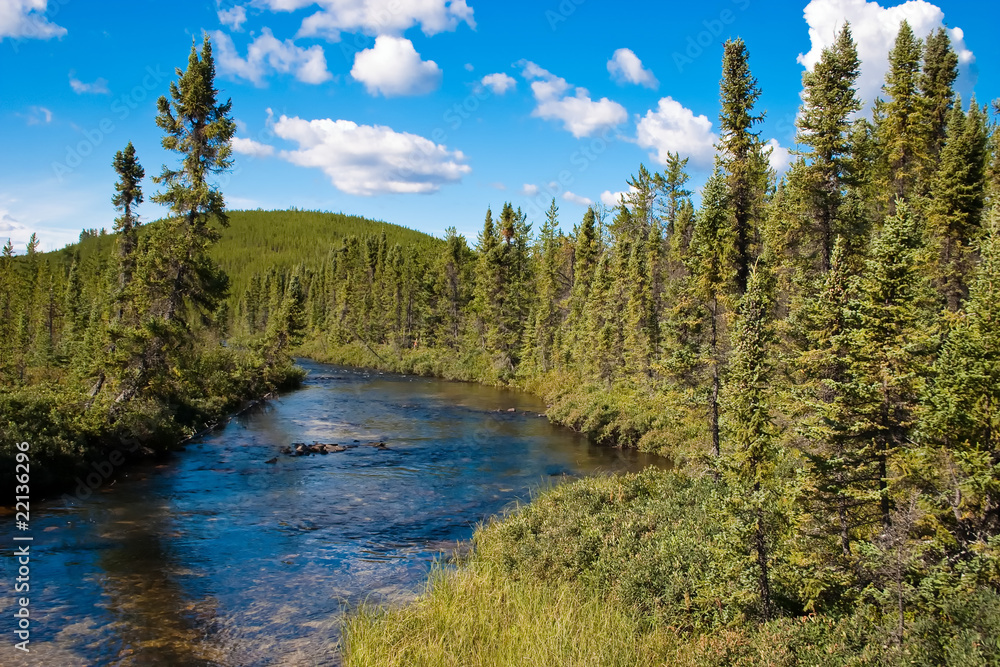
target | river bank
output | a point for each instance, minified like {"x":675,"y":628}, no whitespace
{"x":217,"y":557}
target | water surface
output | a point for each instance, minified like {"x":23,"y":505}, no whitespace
{"x":219,"y":558}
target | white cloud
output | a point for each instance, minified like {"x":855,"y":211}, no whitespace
{"x":499,"y":83}
{"x":9,"y":225}
{"x":267,"y":54}
{"x":18,"y":234}
{"x":577,"y":199}
{"x":579,"y":114}
{"x":377,"y":17}
{"x":609,"y":198}
{"x":529,"y":190}
{"x":37,"y":116}
{"x":233,"y":18}
{"x":780,"y":157}
{"x":875,"y":28}
{"x":99,"y":87}
{"x":251,"y":147}
{"x":393,"y":68}
{"x":674,"y":128}
{"x":498,"y":186}
{"x":625,"y":67}
{"x":370,"y":159}
{"x":25,"y":19}
{"x":469,"y":67}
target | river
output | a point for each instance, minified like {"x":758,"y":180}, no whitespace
{"x":217,"y":557}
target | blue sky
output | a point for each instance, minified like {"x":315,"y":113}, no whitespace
{"x":417,"y":112}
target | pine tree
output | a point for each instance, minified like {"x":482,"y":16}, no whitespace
{"x":710,"y":273}
{"x":586,"y":252}
{"x":891,"y":342}
{"x":752,"y":455}
{"x":962,"y":406}
{"x":200,"y":130}
{"x":901,"y":134}
{"x":958,"y":198}
{"x":128,"y":195}
{"x":743,"y":157}
{"x":838,"y":469}
{"x":937,"y":79}
{"x":546,"y":314}
{"x":824,"y":123}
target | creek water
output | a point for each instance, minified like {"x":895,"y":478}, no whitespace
{"x":216,"y":557}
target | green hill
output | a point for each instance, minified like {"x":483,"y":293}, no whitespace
{"x":257,"y":241}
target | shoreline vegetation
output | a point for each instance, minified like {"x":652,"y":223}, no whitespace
{"x":818,"y":353}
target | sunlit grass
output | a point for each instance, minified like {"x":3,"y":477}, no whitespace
{"x":474,"y":616}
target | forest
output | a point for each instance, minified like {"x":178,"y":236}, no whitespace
{"x":818,"y":354}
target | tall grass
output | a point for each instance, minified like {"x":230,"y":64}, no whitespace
{"x":477,"y":617}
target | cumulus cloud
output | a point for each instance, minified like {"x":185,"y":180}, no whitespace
{"x":625,"y":67}
{"x":370,"y":159}
{"x":267,"y":54}
{"x":499,"y":83}
{"x":874,"y":28}
{"x":577,"y":199}
{"x":673,"y":128}
{"x":251,"y":147}
{"x":780,"y":156}
{"x":233,"y":18}
{"x":25,"y":19}
{"x":529,"y":190}
{"x":580,"y":115}
{"x":609,"y":198}
{"x":99,"y":87}
{"x":377,"y":17}
{"x":393,"y":68}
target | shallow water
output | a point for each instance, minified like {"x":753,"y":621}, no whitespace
{"x":218,"y":558}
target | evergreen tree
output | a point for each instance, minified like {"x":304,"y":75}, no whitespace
{"x":710,"y":273}
{"x":200,"y":130}
{"x":958,"y":198}
{"x":829,"y":100}
{"x":743,"y":157}
{"x":901,"y":135}
{"x":937,"y":79}
{"x":962,"y":407}
{"x":752,"y":456}
{"x":128,"y":195}
{"x":891,"y":339}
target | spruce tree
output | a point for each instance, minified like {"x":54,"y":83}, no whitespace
{"x":743,"y":156}
{"x":902,"y":135}
{"x":958,"y":198}
{"x":940,"y":69}
{"x":891,"y":341}
{"x":751,"y":453}
{"x":824,"y":123}
{"x":710,"y":273}
{"x":962,"y":406}
{"x":200,"y":130}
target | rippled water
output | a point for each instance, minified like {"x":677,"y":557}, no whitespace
{"x":218,"y":558}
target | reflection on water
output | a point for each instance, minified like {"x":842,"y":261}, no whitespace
{"x":222,"y":559}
